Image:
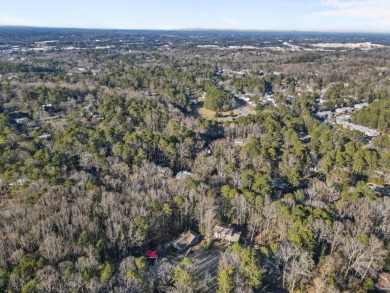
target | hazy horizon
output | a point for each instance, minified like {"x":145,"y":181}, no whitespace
{"x":189,"y":29}
{"x":354,"y":16}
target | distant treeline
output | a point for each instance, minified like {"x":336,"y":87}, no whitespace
{"x":305,"y":58}
{"x":12,"y":67}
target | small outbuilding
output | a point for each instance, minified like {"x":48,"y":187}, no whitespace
{"x":239,"y":141}
{"x":151,"y":254}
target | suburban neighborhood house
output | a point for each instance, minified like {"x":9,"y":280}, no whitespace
{"x":186,"y":240}
{"x":226,"y":233}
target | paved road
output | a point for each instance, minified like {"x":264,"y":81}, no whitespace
{"x":382,"y":190}
{"x":244,"y":110}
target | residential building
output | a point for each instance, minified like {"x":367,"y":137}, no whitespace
{"x":183,"y":174}
{"x":360,"y":106}
{"x":226,"y":233}
{"x":324,"y":115}
{"x":239,"y":141}
{"x":344,"y":110}
{"x":186,"y":240}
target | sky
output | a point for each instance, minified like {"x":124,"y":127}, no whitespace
{"x":303,"y":15}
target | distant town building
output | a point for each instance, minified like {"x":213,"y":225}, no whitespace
{"x":360,"y":106}
{"x":183,"y":174}
{"x":45,"y":135}
{"x":324,"y":115}
{"x":45,"y":107}
{"x":22,"y":120}
{"x":238,"y":141}
{"x":344,"y":110}
{"x":305,"y":138}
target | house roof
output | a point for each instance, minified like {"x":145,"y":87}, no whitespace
{"x":183,"y":174}
{"x":185,"y":239}
{"x":235,"y":237}
{"x":344,"y":109}
{"x":227,"y":233}
{"x":323,"y":114}
{"x":223,"y":230}
{"x":151,"y":253}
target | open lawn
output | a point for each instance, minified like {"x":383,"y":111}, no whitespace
{"x":206,"y":113}
{"x":210,"y":114}
{"x":242,"y":109}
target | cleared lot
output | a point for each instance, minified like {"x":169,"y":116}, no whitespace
{"x":206,"y":264}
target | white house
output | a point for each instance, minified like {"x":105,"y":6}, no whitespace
{"x":226,"y":233}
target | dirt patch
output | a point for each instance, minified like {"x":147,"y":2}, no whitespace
{"x":206,"y":263}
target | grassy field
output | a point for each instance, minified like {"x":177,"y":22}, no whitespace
{"x":206,"y":113}
{"x":209,"y":114}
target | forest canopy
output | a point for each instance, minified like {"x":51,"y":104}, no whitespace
{"x":106,"y":162}
{"x":376,"y":115}
{"x":218,"y":99}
